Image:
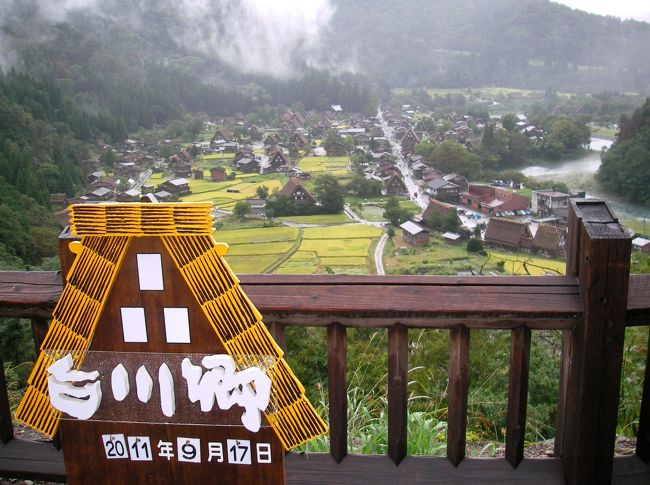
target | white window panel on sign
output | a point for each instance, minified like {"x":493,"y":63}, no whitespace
{"x":177,"y":326}
{"x":150,"y":275}
{"x":134,"y":326}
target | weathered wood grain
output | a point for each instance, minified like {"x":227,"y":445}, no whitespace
{"x":517,"y":395}
{"x":458,"y":389}
{"x":338,"y":392}
{"x":397,"y":393}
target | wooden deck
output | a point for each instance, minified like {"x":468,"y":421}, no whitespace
{"x":592,"y":307}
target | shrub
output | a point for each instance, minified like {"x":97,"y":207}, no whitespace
{"x":474,"y":245}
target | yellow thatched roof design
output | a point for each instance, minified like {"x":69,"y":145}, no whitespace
{"x":140,"y":219}
{"x":106,"y":231}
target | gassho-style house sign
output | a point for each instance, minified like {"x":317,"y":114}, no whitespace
{"x":156,"y":366}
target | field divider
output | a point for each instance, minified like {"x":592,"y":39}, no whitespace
{"x":287,"y":255}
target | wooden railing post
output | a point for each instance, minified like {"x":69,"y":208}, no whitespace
{"x":457,"y":395}
{"x":6,"y":425}
{"x":601,"y":256}
{"x":517,"y":395}
{"x":338,"y":392}
{"x":397,"y":392}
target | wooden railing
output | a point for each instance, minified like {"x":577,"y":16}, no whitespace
{"x":592,"y":306}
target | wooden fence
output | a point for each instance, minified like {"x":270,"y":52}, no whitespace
{"x":592,"y":305}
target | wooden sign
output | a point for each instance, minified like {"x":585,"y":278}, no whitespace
{"x":156,"y":365}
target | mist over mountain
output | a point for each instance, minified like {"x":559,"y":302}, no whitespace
{"x":519,"y":43}
{"x":434,"y":43}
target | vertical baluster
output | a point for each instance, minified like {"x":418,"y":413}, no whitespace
{"x":338,"y":398}
{"x":458,"y":389}
{"x":643,"y":435}
{"x":517,"y":394}
{"x":39,"y":331}
{"x":278,"y":333}
{"x":6,"y":426}
{"x":397,"y":394}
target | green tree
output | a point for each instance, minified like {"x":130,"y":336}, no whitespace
{"x":242,"y":209}
{"x":474,"y":245}
{"x":262,"y":191}
{"x":329,"y":194}
{"x":392,"y":211}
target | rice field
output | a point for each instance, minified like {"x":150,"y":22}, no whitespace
{"x":337,"y":166}
{"x":348,"y":231}
{"x":217,"y":192}
{"x":258,"y":235}
{"x":318,"y":219}
{"x":337,"y":247}
{"x":518,"y":264}
{"x":255,"y":250}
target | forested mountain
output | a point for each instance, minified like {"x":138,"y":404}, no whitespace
{"x":519,"y":43}
{"x":626,"y":165}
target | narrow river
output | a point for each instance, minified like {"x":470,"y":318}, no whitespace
{"x":578,"y":174}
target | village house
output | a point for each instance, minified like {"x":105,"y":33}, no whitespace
{"x":217,"y":174}
{"x":456,"y":179}
{"x":452,"y":238}
{"x":489,"y":200}
{"x":198,"y":174}
{"x":165,"y":196}
{"x":276,"y":160}
{"x":258,"y":207}
{"x":394,"y":185}
{"x":545,"y":202}
{"x":641,"y":244}
{"x":509,"y":234}
{"x":248,"y":165}
{"x":100,"y":194}
{"x":443,"y":190}
{"x":437,"y":211}
{"x":414,"y":233}
{"x":549,"y":240}
{"x":178,"y":186}
{"x":130,"y":195}
{"x":295,"y":192}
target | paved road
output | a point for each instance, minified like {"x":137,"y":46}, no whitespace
{"x":415,"y":192}
{"x":379,"y":254}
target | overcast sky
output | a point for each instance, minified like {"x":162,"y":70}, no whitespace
{"x":636,"y":9}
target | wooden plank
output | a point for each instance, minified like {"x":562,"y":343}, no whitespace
{"x":338,"y":397}
{"x":517,"y":395}
{"x":31,"y":459}
{"x":320,"y":468}
{"x":28,"y":294}
{"x":425,"y":280}
{"x":458,"y":389}
{"x":597,"y":347}
{"x":397,"y":392}
{"x":6,"y":424}
{"x":436,"y":301}
{"x":643,"y":434}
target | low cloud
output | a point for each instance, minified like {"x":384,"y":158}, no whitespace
{"x":270,"y":37}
